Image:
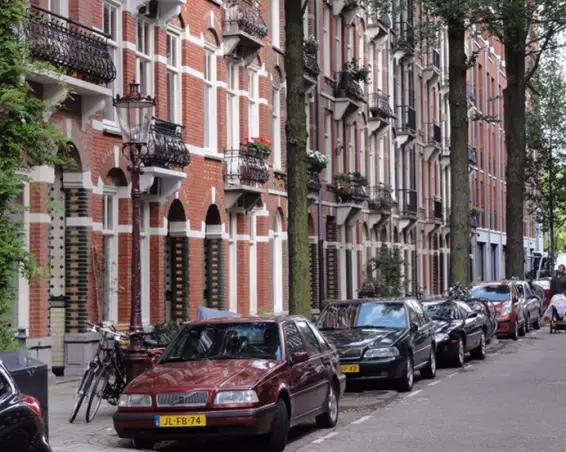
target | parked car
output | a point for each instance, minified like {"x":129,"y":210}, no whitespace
{"x":381,"y":339}
{"x":458,"y":330}
{"x":541,"y":287}
{"x":246,"y":376}
{"x":532,"y":304}
{"x":505,"y":295}
{"x":487,"y":308}
{"x":21,"y":420}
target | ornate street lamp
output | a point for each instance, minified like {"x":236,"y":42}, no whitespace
{"x":135,"y":113}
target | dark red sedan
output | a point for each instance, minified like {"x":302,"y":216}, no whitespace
{"x":230,"y":377}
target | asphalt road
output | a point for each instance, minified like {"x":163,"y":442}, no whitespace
{"x":512,"y":401}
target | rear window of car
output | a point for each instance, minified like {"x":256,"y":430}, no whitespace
{"x":5,"y":386}
{"x":494,"y":292}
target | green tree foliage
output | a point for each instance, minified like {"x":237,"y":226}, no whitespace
{"x":384,"y":273}
{"x":27,"y":140}
{"x":545,"y":172}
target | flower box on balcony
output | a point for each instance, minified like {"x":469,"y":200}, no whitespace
{"x":257,"y":146}
{"x":317,"y":161}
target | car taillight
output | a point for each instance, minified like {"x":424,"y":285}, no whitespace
{"x":33,"y":404}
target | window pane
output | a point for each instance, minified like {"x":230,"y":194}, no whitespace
{"x":139,"y":42}
{"x":171,"y":96}
{"x":146,"y":43}
{"x":312,"y":342}
{"x":294,"y":340}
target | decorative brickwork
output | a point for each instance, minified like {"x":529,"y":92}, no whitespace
{"x":332,"y":278}
{"x":313,"y":255}
{"x":178,"y":272}
{"x":76,"y":261}
{"x":213,"y":290}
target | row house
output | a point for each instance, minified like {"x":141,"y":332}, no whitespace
{"x":214,"y":201}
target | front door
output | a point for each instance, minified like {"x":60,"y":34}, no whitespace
{"x":318,"y":373}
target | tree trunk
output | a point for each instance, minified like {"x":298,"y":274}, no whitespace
{"x":459,"y":177}
{"x":515,"y":142}
{"x":296,"y":129}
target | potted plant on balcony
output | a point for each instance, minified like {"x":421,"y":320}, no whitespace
{"x":359,"y":73}
{"x":317,"y":161}
{"x":343,"y":189}
{"x":476,"y":211}
{"x":311,"y":44}
{"x":260,"y":147}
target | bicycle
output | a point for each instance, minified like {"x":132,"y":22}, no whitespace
{"x":93,"y":369}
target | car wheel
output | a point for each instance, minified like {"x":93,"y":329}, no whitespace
{"x":480,"y":351}
{"x":329,"y":419}
{"x":515,"y":335}
{"x":522,"y":330}
{"x":143,"y":444}
{"x":405,"y":383}
{"x":459,"y":353}
{"x":528,"y":324}
{"x":430,"y":370}
{"x":276,"y":439}
{"x":536,"y":325}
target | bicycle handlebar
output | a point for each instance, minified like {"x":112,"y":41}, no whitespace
{"x":116,"y":335}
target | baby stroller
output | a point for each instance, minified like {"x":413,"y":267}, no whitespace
{"x":555,"y":314}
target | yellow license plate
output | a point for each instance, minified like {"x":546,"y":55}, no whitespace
{"x":194,"y":420}
{"x":350,"y":369}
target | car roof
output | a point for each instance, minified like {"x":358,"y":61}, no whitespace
{"x":374,"y":301}
{"x":246,"y":319}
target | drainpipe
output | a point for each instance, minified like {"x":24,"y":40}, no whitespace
{"x":320,"y":248}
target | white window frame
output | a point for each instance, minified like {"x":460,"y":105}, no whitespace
{"x":210,"y":101}
{"x":308,"y":121}
{"x":253,"y":103}
{"x":145,"y":254}
{"x":60,"y":7}
{"x":110,"y":231}
{"x":232,"y":106}
{"x":253,"y":264}
{"x":275,"y":23}
{"x":352,"y":148}
{"x":362,"y":145}
{"x":174,"y":113}
{"x":338,"y":43}
{"x":145,"y":57}
{"x":340,"y":137}
{"x":109,"y":118}
{"x":326,"y":42}
{"x":233,"y":260}
{"x":350,"y":44}
{"x":276,"y":125}
{"x":328,"y":147}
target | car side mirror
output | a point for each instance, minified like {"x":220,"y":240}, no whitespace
{"x":472,"y":315}
{"x":299,"y":357}
{"x":414,"y":327}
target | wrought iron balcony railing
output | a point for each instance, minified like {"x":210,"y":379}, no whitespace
{"x":347,"y":86}
{"x":244,"y":167}
{"x":405,"y":37}
{"x":166,"y":148}
{"x":380,"y":198}
{"x":410,"y":207}
{"x":385,"y":196}
{"x":379,"y":105}
{"x":437,"y":209}
{"x":435,"y":134}
{"x":354,"y":190}
{"x":473,"y":156}
{"x":77,"y":50}
{"x":245,"y":16}
{"x":406,"y":118}
{"x":313,"y":181}
{"x":435,"y":60}
{"x":310,"y":61}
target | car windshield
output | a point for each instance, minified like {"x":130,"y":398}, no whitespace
{"x":495,"y":292}
{"x":440,"y":311}
{"x":362,"y":315}
{"x":257,"y":340}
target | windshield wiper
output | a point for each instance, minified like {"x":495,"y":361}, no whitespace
{"x":370,"y":326}
{"x":175,"y":360}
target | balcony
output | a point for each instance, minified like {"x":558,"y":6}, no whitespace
{"x":349,"y":96}
{"x":245,"y":173}
{"x":379,"y":26}
{"x":379,"y":204}
{"x":380,"y":112}
{"x":406,"y":124}
{"x":404,"y":43}
{"x":80,"y":56}
{"x":161,"y":11}
{"x":314,"y":184}
{"x":473,"y":157}
{"x":434,"y":141}
{"x":435,"y":217}
{"x":244,"y":30}
{"x":474,"y":220}
{"x":445,"y":81}
{"x":165,"y":157}
{"x":471,"y":96}
{"x":312,"y":69}
{"x":351,"y":193}
{"x":431,"y":72}
{"x":347,"y":8}
{"x":409,"y":208}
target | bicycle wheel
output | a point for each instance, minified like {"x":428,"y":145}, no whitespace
{"x":97,"y":393}
{"x":82,"y":391}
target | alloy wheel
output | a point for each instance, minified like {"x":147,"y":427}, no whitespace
{"x":332,"y":403}
{"x":433,"y":362}
{"x":461,"y":351}
{"x":483,"y":346}
{"x":410,"y":372}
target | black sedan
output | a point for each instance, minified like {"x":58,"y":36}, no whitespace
{"x":21,"y":425}
{"x":458,"y":330}
{"x":381,"y":339}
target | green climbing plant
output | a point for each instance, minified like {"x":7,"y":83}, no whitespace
{"x":384,"y":273}
{"x":27,"y":140}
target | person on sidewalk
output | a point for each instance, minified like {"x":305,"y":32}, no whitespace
{"x":558,"y":283}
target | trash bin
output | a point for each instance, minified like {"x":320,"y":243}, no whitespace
{"x":31,"y":376}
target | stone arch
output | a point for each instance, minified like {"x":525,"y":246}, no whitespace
{"x":109,"y":162}
{"x":213,"y":287}
{"x":277,"y":75}
{"x":211,"y":37}
{"x":116,"y":177}
{"x":312,"y":229}
{"x":76,"y":164}
{"x":177,"y":263}
{"x":283,"y":219}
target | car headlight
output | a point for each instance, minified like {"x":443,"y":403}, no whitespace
{"x":386,"y":352}
{"x":135,"y":400}
{"x":507,"y":308}
{"x":441,"y":337}
{"x":235,"y":397}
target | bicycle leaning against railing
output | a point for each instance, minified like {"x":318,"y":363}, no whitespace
{"x":105,"y":377}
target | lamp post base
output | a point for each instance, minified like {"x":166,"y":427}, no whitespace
{"x":135,"y":357}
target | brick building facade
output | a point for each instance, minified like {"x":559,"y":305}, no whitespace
{"x":213,"y":212}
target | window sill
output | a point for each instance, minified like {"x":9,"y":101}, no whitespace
{"x":209,"y":155}
{"x":111,"y":128}
{"x":279,"y":172}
